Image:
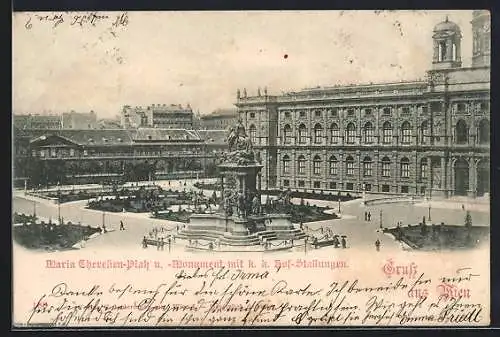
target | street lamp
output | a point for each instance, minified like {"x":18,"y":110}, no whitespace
{"x":59,"y":203}
{"x":339,"y":204}
{"x":429,"y":212}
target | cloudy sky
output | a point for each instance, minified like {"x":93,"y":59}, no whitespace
{"x":202,"y":58}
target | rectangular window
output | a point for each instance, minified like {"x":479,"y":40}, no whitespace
{"x":460,"y":107}
{"x":404,"y":189}
{"x":367,"y":169}
{"x":85,"y":153}
{"x":422,"y":190}
{"x":485,"y":106}
{"x":333,"y":167}
{"x":335,"y":135}
{"x":350,"y":168}
{"x":349,"y":186}
{"x":302,"y":136}
{"x":42,"y":153}
{"x":72,"y":152}
{"x":350,"y":112}
{"x":53,"y":152}
{"x":302,"y":167}
{"x":252,"y":114}
{"x":386,"y":188}
{"x":301,"y":183}
{"x":286,"y":182}
{"x":316,"y":184}
{"x":425,"y":109}
{"x":351,"y":136}
{"x":318,"y":136}
{"x":369,"y":135}
{"x":286,"y":166}
{"x":368,"y":111}
{"x":334,"y":112}
{"x":302,"y":114}
{"x":368,"y":187}
{"x":386,"y":169}
{"x":405,"y":170}
{"x":287,"y":114}
{"x":333,"y":185}
{"x":316,"y":167}
{"x":406,"y":136}
{"x":386,"y":111}
{"x":317,"y":113}
{"x":387,"y":133}
{"x":406,"y":110}
{"x":423,"y":170}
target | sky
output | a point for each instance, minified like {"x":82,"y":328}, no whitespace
{"x":202,"y":58}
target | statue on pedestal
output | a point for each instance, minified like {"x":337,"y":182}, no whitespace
{"x":240,"y":145}
{"x":256,"y":205}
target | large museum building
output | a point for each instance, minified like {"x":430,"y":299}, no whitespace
{"x":429,"y":137}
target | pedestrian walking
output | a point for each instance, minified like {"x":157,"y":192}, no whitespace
{"x":369,"y":216}
{"x":144,"y":242}
{"x":366,"y":216}
{"x":122,"y":227}
{"x":377,"y":245}
{"x":344,"y":243}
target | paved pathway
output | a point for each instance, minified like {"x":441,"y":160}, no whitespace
{"x":359,"y":233}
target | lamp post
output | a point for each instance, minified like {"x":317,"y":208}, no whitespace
{"x":59,"y":203}
{"x":429,"y":217}
{"x":380,"y":218}
{"x":339,"y":204}
{"x":34,"y":209}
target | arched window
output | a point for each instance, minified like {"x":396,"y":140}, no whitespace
{"x":386,"y":167}
{"x":301,"y":165}
{"x":318,"y":134}
{"x":367,"y":167}
{"x":351,"y":133}
{"x":368,"y":133}
{"x":387,"y":133}
{"x":461,"y":131}
{"x":406,"y":133}
{"x":405,"y":168}
{"x":287,"y":134}
{"x":349,"y":166}
{"x":424,"y":132}
{"x":334,"y":133}
{"x":253,"y":134}
{"x":317,"y":165}
{"x":302,"y":134}
{"x":424,"y":167}
{"x":286,"y":164}
{"x":484,"y":132}
{"x":333,"y":165}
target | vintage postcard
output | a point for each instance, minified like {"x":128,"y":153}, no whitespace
{"x":252,"y":168}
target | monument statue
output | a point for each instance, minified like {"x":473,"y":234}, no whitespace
{"x":240,"y":145}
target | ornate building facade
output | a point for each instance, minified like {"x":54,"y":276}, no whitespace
{"x":46,"y":157}
{"x":429,"y":137}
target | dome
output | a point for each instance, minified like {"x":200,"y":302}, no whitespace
{"x":447,"y":26}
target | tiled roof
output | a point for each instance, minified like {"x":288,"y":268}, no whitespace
{"x":156,"y":134}
{"x":213,"y":136}
{"x":96,"y":137}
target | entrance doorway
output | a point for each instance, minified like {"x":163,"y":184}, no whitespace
{"x":483,"y":177}
{"x":461,"y":176}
